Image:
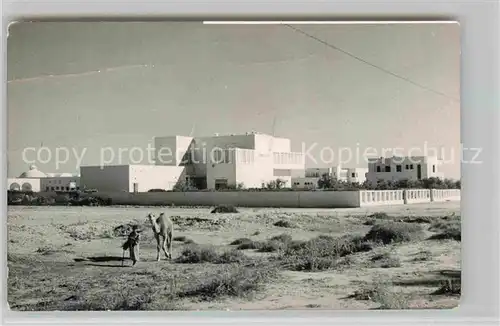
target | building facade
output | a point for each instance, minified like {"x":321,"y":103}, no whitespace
{"x":130,"y":178}
{"x":403,"y":168}
{"x":250,"y":160}
{"x":36,"y":180}
{"x":313,"y":175}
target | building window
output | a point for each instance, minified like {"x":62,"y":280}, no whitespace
{"x":411,"y":166}
{"x":433,"y":169}
{"x":52,"y":188}
{"x":47,"y":188}
{"x":407,"y":167}
{"x":353,"y":175}
{"x":217,"y":155}
{"x":67,"y":188}
{"x":398,"y":168}
{"x":387,"y":169}
{"x":378,"y":169}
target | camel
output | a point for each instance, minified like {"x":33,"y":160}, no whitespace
{"x":163,"y":229}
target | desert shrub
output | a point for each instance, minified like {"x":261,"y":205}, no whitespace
{"x":379,"y":216}
{"x":276,"y":243}
{"x":231,"y":282}
{"x":285,"y":224}
{"x":198,"y":254}
{"x":126,"y":299}
{"x":284,"y":238}
{"x":232,"y":256}
{"x":322,"y":252}
{"x":224,"y":209}
{"x":385,"y":260}
{"x":423,"y":256}
{"x":239,"y":241}
{"x":453,"y":234}
{"x":418,"y":219}
{"x":447,"y":229}
{"x":206,"y":254}
{"x":271,"y":246}
{"x":393,"y":232}
{"x":381,"y":294}
{"x":250,"y":244}
{"x":46,"y":250}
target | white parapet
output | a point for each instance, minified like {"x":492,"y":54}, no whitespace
{"x":380,"y":197}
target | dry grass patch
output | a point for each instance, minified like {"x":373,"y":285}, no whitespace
{"x":380,"y":293}
{"x":196,"y":254}
{"x":447,"y":229}
{"x":385,"y":260}
{"x":322,"y":252}
{"x":233,"y":281}
{"x":423,"y":256}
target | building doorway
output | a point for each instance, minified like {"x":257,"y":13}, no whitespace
{"x":136,"y":187}
{"x":419,"y":172}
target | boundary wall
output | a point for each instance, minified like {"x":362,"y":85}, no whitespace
{"x":286,"y":199}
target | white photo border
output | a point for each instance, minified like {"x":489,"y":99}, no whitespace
{"x":480,"y":112}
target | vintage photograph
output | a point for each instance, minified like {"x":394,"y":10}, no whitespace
{"x":234,"y":166}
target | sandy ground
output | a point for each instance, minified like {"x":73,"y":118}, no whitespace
{"x":65,"y":258}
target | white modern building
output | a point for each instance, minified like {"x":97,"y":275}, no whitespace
{"x":403,"y":168}
{"x":130,"y":178}
{"x":36,"y":180}
{"x":312,"y":176}
{"x":251,"y":160}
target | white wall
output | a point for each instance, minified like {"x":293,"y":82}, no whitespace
{"x":359,"y":174}
{"x":409,"y":168}
{"x":150,"y":177}
{"x":318,"y":172}
{"x":203,"y":146}
{"x":309,"y":199}
{"x":305,"y":183}
{"x":417,"y":196}
{"x":441,"y":195}
{"x":288,"y":160}
{"x":280,"y":144}
{"x":258,"y":172}
{"x":381,"y":197}
{"x":107,"y":178}
{"x":59,"y":183}
{"x":24,"y":184}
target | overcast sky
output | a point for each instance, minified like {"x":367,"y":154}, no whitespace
{"x":159,"y":79}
